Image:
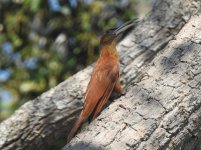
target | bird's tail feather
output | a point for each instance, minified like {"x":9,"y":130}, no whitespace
{"x":74,"y":130}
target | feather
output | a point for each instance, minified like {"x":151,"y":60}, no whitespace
{"x":98,"y":91}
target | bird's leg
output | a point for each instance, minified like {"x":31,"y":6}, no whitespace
{"x":117,"y":91}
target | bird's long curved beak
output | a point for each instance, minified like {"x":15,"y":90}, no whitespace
{"x":124,"y":27}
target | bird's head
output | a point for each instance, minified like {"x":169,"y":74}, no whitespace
{"x":115,"y":35}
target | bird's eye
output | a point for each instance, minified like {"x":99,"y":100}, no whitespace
{"x":110,"y":31}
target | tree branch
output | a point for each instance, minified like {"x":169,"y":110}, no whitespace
{"x":146,"y":114}
{"x":162,"y":110}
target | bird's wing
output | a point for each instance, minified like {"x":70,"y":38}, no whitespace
{"x":102,"y":101}
{"x":100,"y":89}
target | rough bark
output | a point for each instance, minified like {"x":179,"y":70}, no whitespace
{"x":161,"y":108}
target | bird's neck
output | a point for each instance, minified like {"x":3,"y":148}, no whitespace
{"x":108,"y":50}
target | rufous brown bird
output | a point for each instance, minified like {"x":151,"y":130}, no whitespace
{"x":105,"y":77}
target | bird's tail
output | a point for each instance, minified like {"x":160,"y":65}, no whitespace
{"x":76,"y":127}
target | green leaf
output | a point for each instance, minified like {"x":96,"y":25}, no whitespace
{"x":35,"y":4}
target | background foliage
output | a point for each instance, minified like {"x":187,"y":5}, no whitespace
{"x":43,"y":42}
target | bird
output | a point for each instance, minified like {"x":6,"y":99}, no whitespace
{"x":105,"y":78}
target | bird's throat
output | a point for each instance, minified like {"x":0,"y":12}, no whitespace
{"x":108,"y":50}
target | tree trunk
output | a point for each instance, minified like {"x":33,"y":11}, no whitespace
{"x":162,"y":105}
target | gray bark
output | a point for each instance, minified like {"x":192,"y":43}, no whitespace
{"x":161,"y":108}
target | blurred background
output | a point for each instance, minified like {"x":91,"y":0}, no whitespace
{"x":43,"y":42}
